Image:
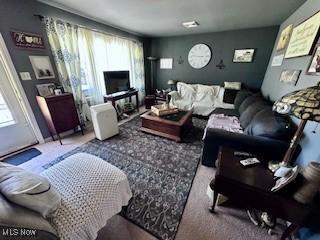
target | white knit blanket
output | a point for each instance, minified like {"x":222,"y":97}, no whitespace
{"x":92,"y":191}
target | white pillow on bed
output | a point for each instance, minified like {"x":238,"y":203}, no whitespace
{"x":28,"y":190}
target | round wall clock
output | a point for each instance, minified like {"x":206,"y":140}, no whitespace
{"x":199,"y":56}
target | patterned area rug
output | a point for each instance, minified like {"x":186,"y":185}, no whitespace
{"x":160,"y":173}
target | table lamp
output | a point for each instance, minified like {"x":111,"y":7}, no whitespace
{"x":171,"y":83}
{"x":303,"y":104}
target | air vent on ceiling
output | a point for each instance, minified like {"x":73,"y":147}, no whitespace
{"x":191,"y":24}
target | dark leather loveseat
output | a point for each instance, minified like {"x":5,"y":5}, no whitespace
{"x":266,"y":133}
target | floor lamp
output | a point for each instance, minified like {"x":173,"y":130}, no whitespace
{"x":303,"y":104}
{"x":152,"y":61}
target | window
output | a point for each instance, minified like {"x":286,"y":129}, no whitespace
{"x":101,"y":52}
{"x":6,"y":117}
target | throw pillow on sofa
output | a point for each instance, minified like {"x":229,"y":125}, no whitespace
{"x":249,"y":113}
{"x":219,"y":103}
{"x":232,"y":85}
{"x":230,"y":95}
{"x":206,"y":93}
{"x":28,"y":190}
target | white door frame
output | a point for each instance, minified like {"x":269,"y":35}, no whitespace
{"x":18,"y":89}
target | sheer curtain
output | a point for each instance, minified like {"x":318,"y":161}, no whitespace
{"x":63,"y":39}
{"x":101,"y":52}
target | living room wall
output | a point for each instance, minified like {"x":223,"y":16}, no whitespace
{"x":19,"y":15}
{"x":222,"y":45}
{"x":274,"y":89}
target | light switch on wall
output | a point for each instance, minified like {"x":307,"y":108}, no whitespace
{"x":25,"y":76}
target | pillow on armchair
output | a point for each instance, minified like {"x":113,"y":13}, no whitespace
{"x":28,"y":190}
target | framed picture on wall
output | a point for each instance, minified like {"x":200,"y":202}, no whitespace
{"x":314,"y":66}
{"x":277,"y":60}
{"x":243,"y":55}
{"x":46,"y":90}
{"x":42,"y":67}
{"x":27,"y":40}
{"x":284,"y":37}
{"x":304,"y":37}
{"x":290,"y":76}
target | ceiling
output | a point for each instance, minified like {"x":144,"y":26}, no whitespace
{"x":159,"y":18}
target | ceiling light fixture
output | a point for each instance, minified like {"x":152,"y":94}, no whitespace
{"x":191,"y":24}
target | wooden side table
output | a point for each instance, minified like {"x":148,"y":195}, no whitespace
{"x":251,"y":187}
{"x":149,"y":101}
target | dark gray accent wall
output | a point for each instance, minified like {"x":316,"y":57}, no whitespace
{"x":274,"y":89}
{"x":19,"y":15}
{"x":222,"y":45}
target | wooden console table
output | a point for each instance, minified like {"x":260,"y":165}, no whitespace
{"x":121,"y":95}
{"x":251,"y":187}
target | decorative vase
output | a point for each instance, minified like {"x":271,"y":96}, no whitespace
{"x":311,"y":175}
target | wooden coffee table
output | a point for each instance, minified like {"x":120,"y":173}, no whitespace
{"x":169,"y":126}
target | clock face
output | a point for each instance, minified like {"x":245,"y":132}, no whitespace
{"x":199,"y":56}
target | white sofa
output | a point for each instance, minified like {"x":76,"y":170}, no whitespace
{"x":201,"y":99}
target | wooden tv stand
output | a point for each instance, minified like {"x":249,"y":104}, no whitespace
{"x":121,"y":95}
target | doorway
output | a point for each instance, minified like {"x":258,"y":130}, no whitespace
{"x":16,"y":128}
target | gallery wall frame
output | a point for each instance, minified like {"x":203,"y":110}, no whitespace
{"x":314,"y":65}
{"x":277,"y":60}
{"x":42,"y":67}
{"x":244,"y":55}
{"x":284,"y":37}
{"x":304,"y":37}
{"x":290,"y":77}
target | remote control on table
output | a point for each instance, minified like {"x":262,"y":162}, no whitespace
{"x":249,"y":162}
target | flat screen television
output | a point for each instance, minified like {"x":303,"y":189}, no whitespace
{"x":116,"y":81}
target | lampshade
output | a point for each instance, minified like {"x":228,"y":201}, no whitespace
{"x":171,"y":82}
{"x":152,"y":58}
{"x":303,"y":104}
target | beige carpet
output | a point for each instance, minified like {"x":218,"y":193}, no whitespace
{"x":197,"y":222}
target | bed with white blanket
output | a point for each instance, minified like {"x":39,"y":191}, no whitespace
{"x":92,"y":191}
